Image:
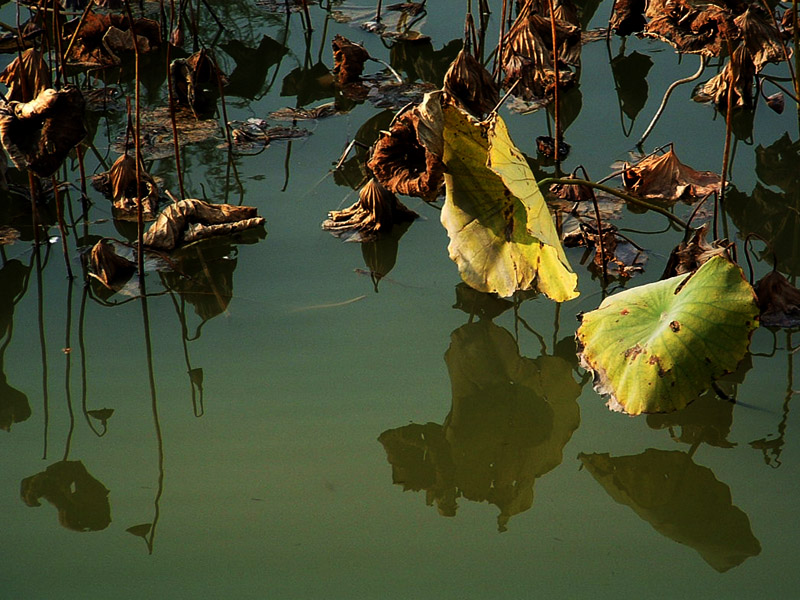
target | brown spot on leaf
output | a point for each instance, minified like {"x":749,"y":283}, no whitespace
{"x":675,"y":326}
{"x":633,"y":352}
{"x":624,"y":312}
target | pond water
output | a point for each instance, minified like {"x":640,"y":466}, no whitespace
{"x":283,"y":427}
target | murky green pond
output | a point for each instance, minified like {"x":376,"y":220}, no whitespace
{"x":285,"y":427}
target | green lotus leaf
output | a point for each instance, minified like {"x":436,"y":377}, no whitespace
{"x":502,"y":236}
{"x":656,"y":347}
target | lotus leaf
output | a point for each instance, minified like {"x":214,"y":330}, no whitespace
{"x":501,"y":233}
{"x":655,"y":348}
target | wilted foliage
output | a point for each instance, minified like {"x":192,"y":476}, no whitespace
{"x":666,"y":178}
{"x":26,"y":78}
{"x":39,"y":134}
{"x":348,"y":60}
{"x":102,"y":38}
{"x":196,"y":82}
{"x":471,"y":84}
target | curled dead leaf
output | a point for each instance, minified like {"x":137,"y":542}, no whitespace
{"x":778,"y":300}
{"x":761,"y":39}
{"x":102,"y":37}
{"x":690,"y":255}
{"x":196,"y":82}
{"x":691,"y":26}
{"x":666,"y":178}
{"x":119,"y":184}
{"x":628,"y":17}
{"x":191,"y":220}
{"x":740,"y":70}
{"x":471,"y":84}
{"x":348,"y":60}
{"x":376,"y":211}
{"x":39,"y":134}
{"x":26,"y":78}
{"x":407,"y":158}
{"x":108,"y":267}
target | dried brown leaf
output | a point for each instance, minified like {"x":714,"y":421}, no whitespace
{"x":108,"y":267}
{"x":376,"y":211}
{"x":665,"y":178}
{"x":27,"y":78}
{"x":689,"y":256}
{"x":471,"y":84}
{"x":741,"y":70}
{"x":691,"y":25}
{"x":191,"y":220}
{"x":778,"y":300}
{"x":348,"y":60}
{"x":39,"y":134}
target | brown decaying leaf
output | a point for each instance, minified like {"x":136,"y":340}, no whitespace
{"x":119,"y":183}
{"x":102,"y":37}
{"x":376,"y":211}
{"x":628,"y":17}
{"x":8,"y":235}
{"x":691,"y":26}
{"x":689,"y":256}
{"x":39,"y":134}
{"x":27,"y":78}
{"x":761,"y":39}
{"x":778,"y":300}
{"x":528,"y":58}
{"x":348,"y":60}
{"x":666,"y":178}
{"x":108,"y":267}
{"x":196,"y":81}
{"x":404,"y":161}
{"x":471,"y":84}
{"x":740,"y":67}
{"x":191,"y":220}
{"x":622,"y":258}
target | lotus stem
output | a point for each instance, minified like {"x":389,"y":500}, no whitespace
{"x":556,"y":119}
{"x":62,"y":226}
{"x":667,"y":94}
{"x":544,"y":183}
{"x":171,"y":97}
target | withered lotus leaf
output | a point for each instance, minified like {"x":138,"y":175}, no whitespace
{"x":667,"y":178}
{"x":690,"y":255}
{"x":376,"y":211}
{"x":739,"y":68}
{"x":628,"y":17}
{"x":348,"y":60}
{"x":691,"y":25}
{"x":196,"y":81}
{"x":39,"y":134}
{"x":471,"y":84}
{"x":102,"y":36}
{"x":26,"y":78}
{"x":778,"y":300}
{"x":108,"y":267}
{"x":407,"y":158}
{"x":119,"y":183}
{"x":191,"y":220}
{"x":762,"y":40}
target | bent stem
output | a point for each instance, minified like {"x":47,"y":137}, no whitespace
{"x":544,"y":183}
{"x":667,"y":94}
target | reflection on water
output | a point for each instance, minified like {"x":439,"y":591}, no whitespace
{"x":14,"y":406}
{"x":510,"y":418}
{"x":681,"y":500}
{"x":81,"y":500}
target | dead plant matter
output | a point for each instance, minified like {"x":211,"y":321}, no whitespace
{"x":376,"y":211}
{"x":666,"y":178}
{"x":102,"y":38}
{"x":196,"y":82}
{"x":468,"y":81}
{"x":348,"y":60}
{"x":407,"y":158}
{"x":689,"y":256}
{"x":191,"y":220}
{"x":778,"y":300}
{"x":39,"y":134}
{"x":108,"y":267}
{"x":26,"y":77}
{"x":691,"y":26}
{"x":740,"y":70}
{"x":119,"y":184}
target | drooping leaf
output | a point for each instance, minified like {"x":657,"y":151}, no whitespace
{"x":681,"y":500}
{"x":348,"y":59}
{"x":108,"y":267}
{"x":778,"y":300}
{"x":471,"y":84}
{"x":26,"y":77}
{"x":690,"y":255}
{"x":655,"y":348}
{"x":501,"y":233}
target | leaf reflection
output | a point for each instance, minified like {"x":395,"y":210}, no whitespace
{"x":81,"y":500}
{"x":510,"y":419}
{"x":681,"y":500}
